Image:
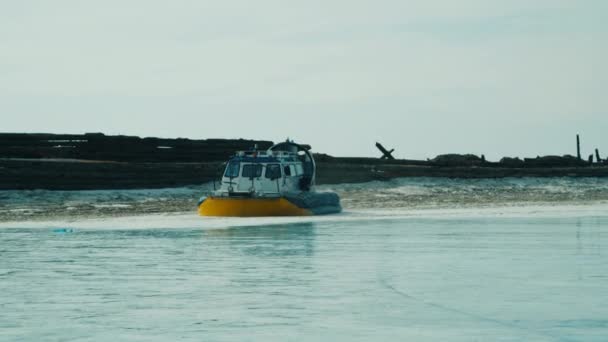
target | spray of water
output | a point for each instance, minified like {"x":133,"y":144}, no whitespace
{"x":411,"y":196}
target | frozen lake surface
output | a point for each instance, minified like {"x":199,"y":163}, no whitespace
{"x":418,"y":278}
{"x":536,"y":271}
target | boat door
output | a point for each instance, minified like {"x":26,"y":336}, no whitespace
{"x":290,"y":180}
{"x":271,"y":180}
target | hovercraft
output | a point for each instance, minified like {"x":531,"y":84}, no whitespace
{"x":276,"y":182}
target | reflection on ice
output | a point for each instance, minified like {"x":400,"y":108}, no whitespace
{"x":193,"y":221}
{"x":530,"y":274}
{"x":268,"y":240}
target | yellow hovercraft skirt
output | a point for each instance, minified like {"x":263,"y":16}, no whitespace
{"x":250,"y":207}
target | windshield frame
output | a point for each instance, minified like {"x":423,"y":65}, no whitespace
{"x":233,"y":169}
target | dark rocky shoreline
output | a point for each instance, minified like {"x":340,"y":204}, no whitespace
{"x":96,"y":161}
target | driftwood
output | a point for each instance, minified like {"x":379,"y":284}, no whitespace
{"x":578,"y":147}
{"x":385,"y":154}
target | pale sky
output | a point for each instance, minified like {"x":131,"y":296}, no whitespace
{"x":498,"y":77}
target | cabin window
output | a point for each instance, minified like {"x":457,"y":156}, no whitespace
{"x":252,"y":170}
{"x":273,"y":171}
{"x":299,"y":170}
{"x":232,"y":170}
{"x":287,"y":170}
{"x":292,"y":169}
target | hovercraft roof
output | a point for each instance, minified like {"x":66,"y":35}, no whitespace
{"x":255,"y":159}
{"x":290,"y":146}
{"x":264,"y":156}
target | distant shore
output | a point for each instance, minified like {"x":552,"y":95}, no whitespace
{"x":96,"y":161}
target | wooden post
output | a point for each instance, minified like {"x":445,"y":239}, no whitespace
{"x":597,"y":156}
{"x":578,"y":147}
{"x":385,"y":154}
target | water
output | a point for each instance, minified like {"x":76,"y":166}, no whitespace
{"x":522,"y":267}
